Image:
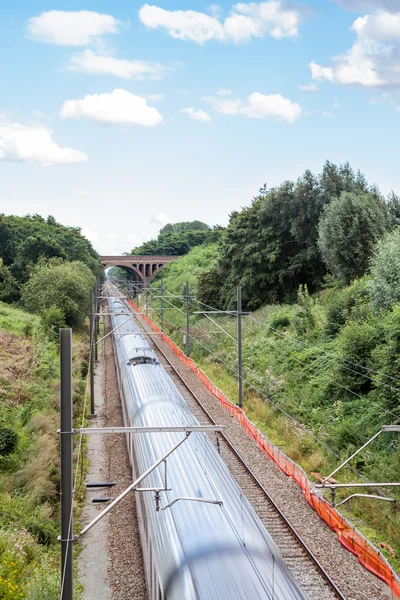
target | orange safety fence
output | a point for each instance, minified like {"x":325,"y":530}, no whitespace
{"x":369,"y":556}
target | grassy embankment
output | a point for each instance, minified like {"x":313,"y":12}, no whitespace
{"x":297,"y":359}
{"x":29,"y":476}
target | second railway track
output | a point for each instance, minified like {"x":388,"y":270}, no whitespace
{"x":304,"y":566}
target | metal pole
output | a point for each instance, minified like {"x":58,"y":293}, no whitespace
{"x":96,"y":319}
{"x":147,"y":300}
{"x":187,"y":321}
{"x":98,"y":305}
{"x":66,"y":464}
{"x":239,"y":343}
{"x":91,"y":357}
{"x":162,"y":302}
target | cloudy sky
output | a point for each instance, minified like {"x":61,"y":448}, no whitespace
{"x":121,"y":116}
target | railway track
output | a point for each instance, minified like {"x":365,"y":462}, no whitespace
{"x":304,"y":565}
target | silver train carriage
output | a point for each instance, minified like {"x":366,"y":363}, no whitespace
{"x":191,"y":549}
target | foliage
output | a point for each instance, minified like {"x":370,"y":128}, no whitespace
{"x":385,"y":270}
{"x":271,"y":247}
{"x":59,"y":291}
{"x":29,"y":476}
{"x":25,"y":240}
{"x":8,"y":441}
{"x":329,"y":361}
{"x":179,"y":238}
{"x":53,"y":319}
{"x":340,"y":302}
{"x":349,"y":228}
{"x":8,"y":284}
{"x":189,"y":267}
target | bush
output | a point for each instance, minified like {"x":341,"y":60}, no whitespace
{"x":53,"y":319}
{"x":279,"y":320}
{"x":356,"y":341}
{"x":59,"y":285}
{"x":385,"y":271}
{"x":8,"y":441}
{"x":340,"y":304}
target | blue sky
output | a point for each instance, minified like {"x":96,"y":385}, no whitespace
{"x":120,"y":116}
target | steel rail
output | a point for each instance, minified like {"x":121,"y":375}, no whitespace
{"x":331,"y":584}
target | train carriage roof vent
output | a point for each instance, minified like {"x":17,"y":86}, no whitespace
{"x":143,"y":360}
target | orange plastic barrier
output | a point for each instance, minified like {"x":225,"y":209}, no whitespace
{"x":369,"y":556}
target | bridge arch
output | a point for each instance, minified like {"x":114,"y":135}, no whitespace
{"x":143,"y":268}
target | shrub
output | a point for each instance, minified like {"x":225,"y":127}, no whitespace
{"x":53,"y":318}
{"x":279,"y":320}
{"x":356,"y":341}
{"x":8,"y":441}
{"x":340,"y":304}
{"x":57,"y":284}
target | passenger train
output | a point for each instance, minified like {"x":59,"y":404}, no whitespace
{"x":200,"y":538}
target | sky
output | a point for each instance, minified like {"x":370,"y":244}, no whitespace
{"x":119,"y":117}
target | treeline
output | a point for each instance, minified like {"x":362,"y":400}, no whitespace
{"x":179,"y":238}
{"x":298,"y":233}
{"x":48,"y":268}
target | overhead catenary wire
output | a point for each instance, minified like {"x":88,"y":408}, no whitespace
{"x":251,"y":385}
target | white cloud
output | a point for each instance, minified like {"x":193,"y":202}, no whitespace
{"x":101,"y":64}
{"x":223,"y":92}
{"x":373,"y":60}
{"x":34,"y":144}
{"x":258,"y":106}
{"x":328,"y":115}
{"x":156,"y":97}
{"x":312,"y":87}
{"x":119,"y":106}
{"x":246,"y":20}
{"x":71,"y":28}
{"x":198,"y":115}
{"x":335,"y":103}
{"x":160,"y":219}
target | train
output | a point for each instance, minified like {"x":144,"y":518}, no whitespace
{"x":200,"y":537}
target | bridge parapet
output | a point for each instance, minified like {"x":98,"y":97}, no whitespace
{"x":142,"y":267}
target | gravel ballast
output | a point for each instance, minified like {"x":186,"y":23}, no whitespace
{"x":125,"y":572}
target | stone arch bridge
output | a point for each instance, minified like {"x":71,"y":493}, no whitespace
{"x":142,"y":268}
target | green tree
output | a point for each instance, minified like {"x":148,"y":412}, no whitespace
{"x":177,"y":239}
{"x":8,"y":284}
{"x":348,"y":230}
{"x":385,"y":270}
{"x":25,"y":240}
{"x":56,"y":284}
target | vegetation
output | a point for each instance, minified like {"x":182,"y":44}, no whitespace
{"x":26,"y":240}
{"x":29,"y":466}
{"x":274,"y":245}
{"x":178,"y":238}
{"x":319,"y":264}
{"x":348,"y":230}
{"x":59,"y":292}
{"x":48,"y":269}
